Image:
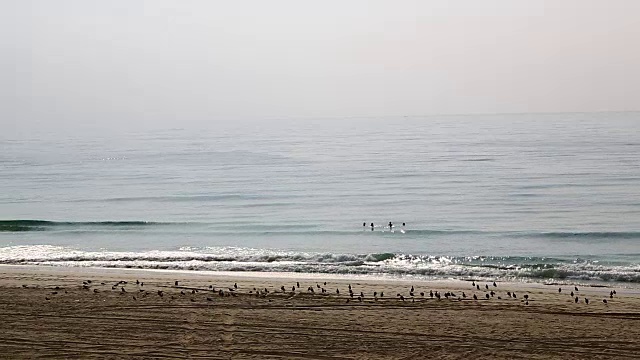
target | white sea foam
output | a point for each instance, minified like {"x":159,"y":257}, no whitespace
{"x":261,"y":260}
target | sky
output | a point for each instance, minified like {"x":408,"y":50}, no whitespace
{"x":159,"y":63}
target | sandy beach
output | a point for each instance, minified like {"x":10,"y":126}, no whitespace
{"x":50,"y":312}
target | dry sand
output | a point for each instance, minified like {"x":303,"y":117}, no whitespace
{"x":54,"y":316}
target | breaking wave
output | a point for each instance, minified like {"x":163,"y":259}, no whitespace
{"x":259,"y":260}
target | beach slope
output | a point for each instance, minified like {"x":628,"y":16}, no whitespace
{"x":109,"y":313}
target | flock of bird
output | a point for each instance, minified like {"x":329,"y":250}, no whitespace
{"x":139,"y":292}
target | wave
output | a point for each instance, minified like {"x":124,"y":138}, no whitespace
{"x":212,"y":228}
{"x":239,"y":229}
{"x":379,"y":264}
{"x":40,"y":225}
{"x":593,"y":235}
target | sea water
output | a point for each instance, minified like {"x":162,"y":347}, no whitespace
{"x":532,"y":197}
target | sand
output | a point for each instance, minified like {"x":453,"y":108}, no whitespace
{"x":46,"y":312}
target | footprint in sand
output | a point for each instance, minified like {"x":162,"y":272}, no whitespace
{"x":228,"y":319}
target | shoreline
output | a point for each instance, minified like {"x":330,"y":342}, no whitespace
{"x":373,"y":277}
{"x":57,"y":312}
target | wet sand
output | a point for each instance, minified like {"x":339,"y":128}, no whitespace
{"x":48,"y":312}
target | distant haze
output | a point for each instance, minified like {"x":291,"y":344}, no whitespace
{"x":157,"y":63}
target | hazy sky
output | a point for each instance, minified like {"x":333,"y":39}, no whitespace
{"x":171,"y":63}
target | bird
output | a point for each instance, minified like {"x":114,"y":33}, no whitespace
{"x":464,"y":295}
{"x":431,"y":293}
{"x":486,"y":286}
{"x":318,"y":285}
{"x":421,"y":294}
{"x":572,"y":294}
{"x":293,"y":289}
{"x":494,"y":284}
{"x":586,"y":301}
{"x":559,"y":290}
{"x":235,"y":285}
{"x":401,"y":297}
{"x":576,"y":288}
{"x":160,"y":293}
{"x":509,"y":293}
{"x":134,"y":298}
{"x":477,"y":287}
{"x":297,"y":284}
{"x":381,"y":293}
{"x":604,"y":301}
{"x":282,"y":288}
{"x":473,"y":284}
{"x":123,"y":290}
{"x":475,"y":297}
{"x":514,"y":295}
{"x":576,"y":299}
{"x":487,"y":296}
{"x":614,"y":292}
{"x":325,"y":283}
{"x":411,"y":288}
{"x":526,"y":302}
{"x":176,"y":283}
{"x":338,"y":291}
{"x":349,"y":286}
{"x":137,"y":282}
{"x":526,"y":297}
{"x":182,"y":292}
{"x":361,"y":294}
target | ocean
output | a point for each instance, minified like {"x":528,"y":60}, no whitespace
{"x":518,"y":197}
